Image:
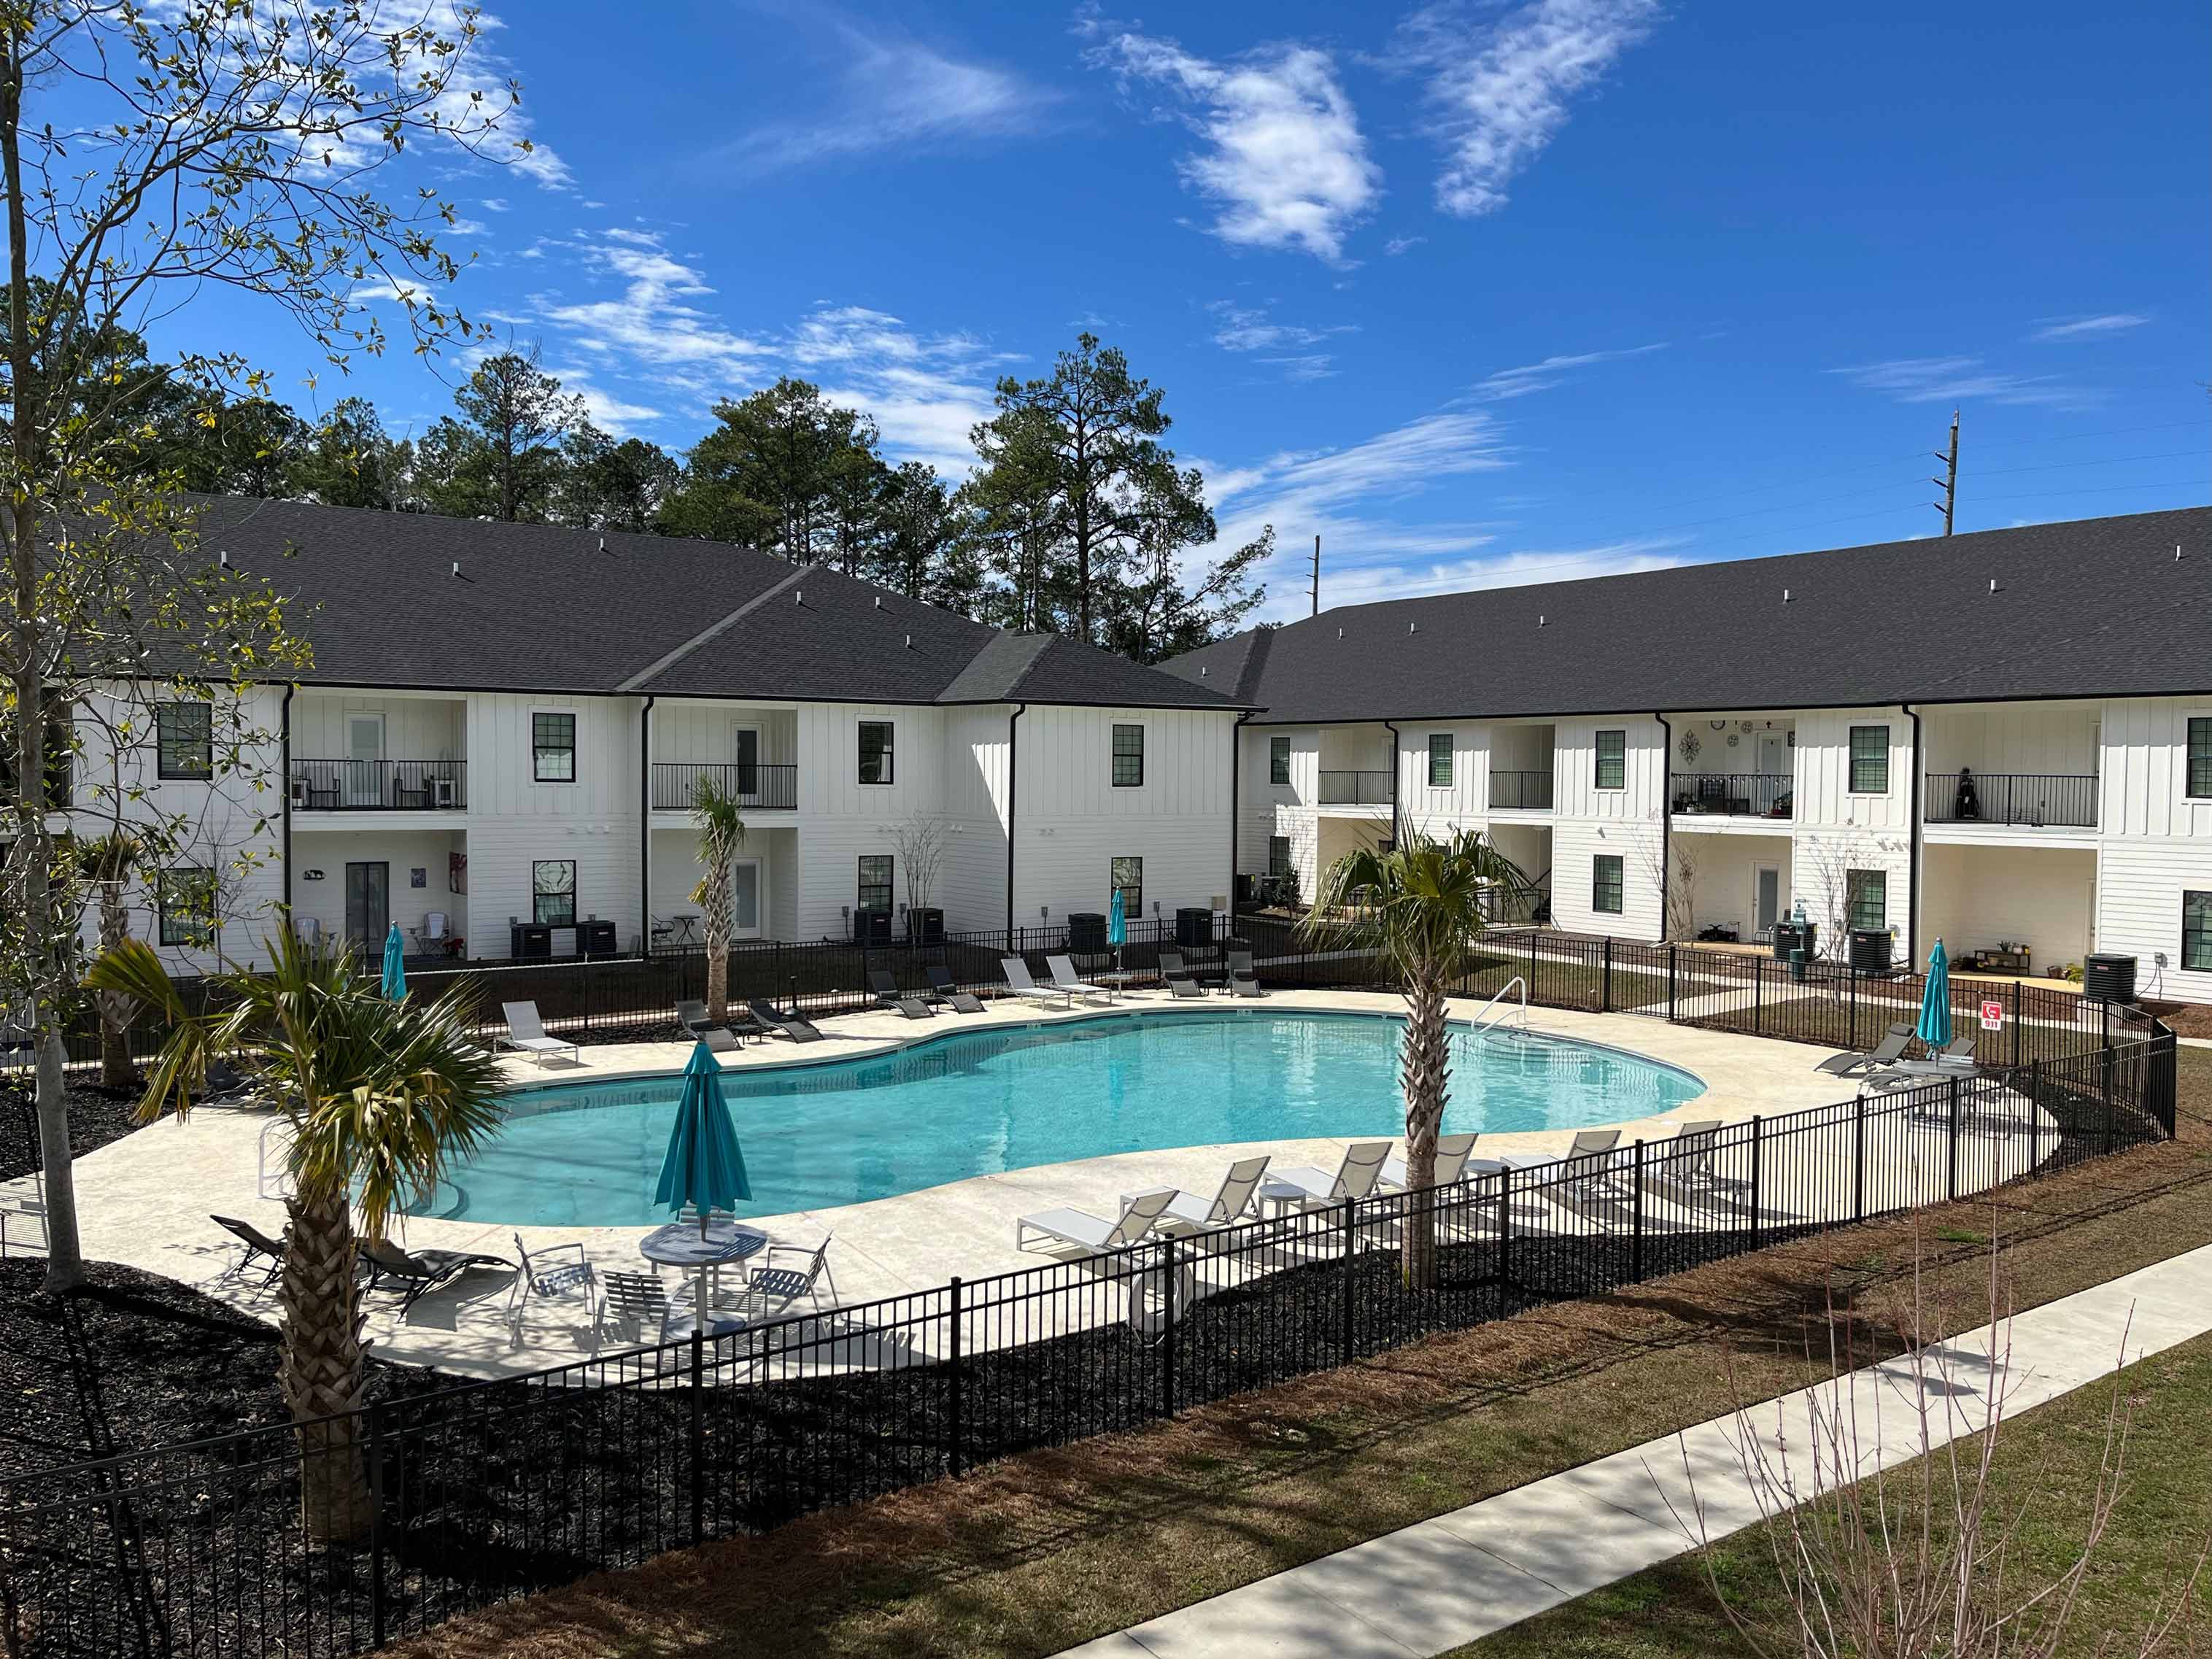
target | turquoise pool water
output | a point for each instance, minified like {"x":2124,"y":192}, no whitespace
{"x":978,"y":1103}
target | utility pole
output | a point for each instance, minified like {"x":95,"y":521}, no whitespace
{"x":1949,"y":483}
{"x":1317,"y":573}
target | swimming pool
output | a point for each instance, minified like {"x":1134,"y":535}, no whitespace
{"x":978,"y":1103}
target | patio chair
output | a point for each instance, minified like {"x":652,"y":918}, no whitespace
{"x":631,"y":1301}
{"x":1019,"y":982}
{"x":1301,"y":1186}
{"x":1180,"y":980}
{"x":1452,"y":1154}
{"x":948,"y":991}
{"x":1139,"y":1215}
{"x":719,"y":1039}
{"x":258,"y":1244}
{"x":1955,"y":1060}
{"x":1188,"y":1213}
{"x":420,"y":1271}
{"x":792,"y":1026}
{"x":1891,"y":1048}
{"x":1683,"y":1169}
{"x":1587,"y":1144}
{"x":554,"y":1274}
{"x":770,"y":1291}
{"x":526,"y":1034}
{"x":1065,"y":978}
{"x":1242,"y":981}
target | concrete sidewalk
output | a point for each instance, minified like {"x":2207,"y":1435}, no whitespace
{"x":1446,"y":1582}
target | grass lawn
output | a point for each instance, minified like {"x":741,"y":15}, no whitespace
{"x":1034,"y":1553}
{"x":2046,"y":1471}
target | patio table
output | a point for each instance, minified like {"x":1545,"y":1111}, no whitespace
{"x":683,"y":1244}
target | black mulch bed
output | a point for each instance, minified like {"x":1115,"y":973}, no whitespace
{"x":97,"y":1115}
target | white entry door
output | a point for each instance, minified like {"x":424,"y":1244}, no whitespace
{"x":745,"y":898}
{"x":1766,"y":897}
{"x":364,"y":771}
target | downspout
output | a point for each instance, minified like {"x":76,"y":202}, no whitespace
{"x":1393,"y":730}
{"x":645,"y":826}
{"x":1236,"y":782}
{"x":1013,"y":781}
{"x":1666,"y":815}
{"x":1912,"y":805}
{"x":285,"y":754}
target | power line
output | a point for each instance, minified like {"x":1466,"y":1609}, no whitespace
{"x":2101,"y":490}
{"x":2110,"y":460}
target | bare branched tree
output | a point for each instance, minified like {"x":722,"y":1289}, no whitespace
{"x":920,"y":843}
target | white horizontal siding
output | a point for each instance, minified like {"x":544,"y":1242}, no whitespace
{"x":1575,"y":845}
{"x":2139,"y":889}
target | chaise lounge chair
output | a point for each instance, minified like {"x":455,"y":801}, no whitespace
{"x":1682,"y":1170}
{"x":419,"y":1270}
{"x":1452,"y":1154}
{"x":258,"y":1245}
{"x":1301,"y":1186}
{"x":1188,"y":1213}
{"x":526,"y":1034}
{"x":1019,"y":982}
{"x":1139,"y":1215}
{"x":792,"y":1026}
{"x":1243,"y":981}
{"x":1065,"y":978}
{"x":888,"y":995}
{"x":948,"y":990}
{"x":1178,"y":977}
{"x":1587,"y":1144}
{"x":692,"y":1017}
{"x":1888,"y":1051}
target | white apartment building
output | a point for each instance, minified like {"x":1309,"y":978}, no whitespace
{"x":2003,"y":739}
{"x":497,"y":744}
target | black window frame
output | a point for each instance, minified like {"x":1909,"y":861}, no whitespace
{"x":545,"y":726}
{"x":178,"y":930}
{"x":2195,"y":933}
{"x":863,"y":886}
{"x":1601,"y":886}
{"x":1880,"y":733}
{"x":1278,"y":868}
{"x":165,"y":742}
{"x":1128,"y":776}
{"x":1133,"y":893}
{"x":1856,"y":884}
{"x":2196,"y":778}
{"x":539,"y":894}
{"x":1447,"y":755}
{"x":1618,"y":760}
{"x":886,"y":756}
{"x":1279,"y":761}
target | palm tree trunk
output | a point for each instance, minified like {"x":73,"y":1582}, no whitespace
{"x":320,"y":1372}
{"x":1426,"y":1067}
{"x":718,"y":926}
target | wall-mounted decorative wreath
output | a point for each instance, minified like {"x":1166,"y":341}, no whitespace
{"x":1745,"y":727}
{"x":1689,"y":746}
{"x":1733,"y":740}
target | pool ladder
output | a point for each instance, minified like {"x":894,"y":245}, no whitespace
{"x":1480,"y":1030}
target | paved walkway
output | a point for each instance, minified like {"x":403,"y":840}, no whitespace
{"x":1446,"y":1582}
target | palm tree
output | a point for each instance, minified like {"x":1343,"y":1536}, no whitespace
{"x":380,"y":1097}
{"x":108,"y":860}
{"x":721,"y":832}
{"x":1418,"y":906}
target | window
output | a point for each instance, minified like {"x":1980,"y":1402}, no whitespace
{"x":186,"y":898}
{"x":1605,"y":883}
{"x":1613,"y":761}
{"x":1127,"y":877}
{"x":875,"y":752}
{"x":1869,"y":760}
{"x":553,"y":892}
{"x":2197,"y":932}
{"x":185,"y":740}
{"x":1128,"y":757}
{"x":1278,"y":760}
{"x":1278,"y":855}
{"x":1440,"y":760}
{"x":2200,"y":758}
{"x":1866,"y":898}
{"x":875,"y":889}
{"x":553,"y":747}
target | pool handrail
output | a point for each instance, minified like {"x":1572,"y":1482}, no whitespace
{"x":1476,"y":1024}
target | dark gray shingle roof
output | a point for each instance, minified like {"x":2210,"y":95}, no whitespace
{"x":2097,"y":607}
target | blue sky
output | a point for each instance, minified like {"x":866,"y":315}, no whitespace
{"x":1477,"y":292}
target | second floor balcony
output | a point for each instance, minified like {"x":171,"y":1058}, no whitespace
{"x":1355,"y":788}
{"x":754,"y":786}
{"x":1735,"y":794}
{"x":1521,"y":791}
{"x":379,"y":785}
{"x":2014,"y":800}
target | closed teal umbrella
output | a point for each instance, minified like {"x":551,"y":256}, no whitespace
{"x":1934,"y":1027}
{"x":1117,"y":927}
{"x":704,"y":1168}
{"x":395,"y":965}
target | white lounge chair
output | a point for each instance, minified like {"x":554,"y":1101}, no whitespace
{"x":1188,"y":1213}
{"x":1682,"y":1170}
{"x":526,"y":1034}
{"x":1301,"y":1186}
{"x":1065,"y":978}
{"x":1452,"y":1154}
{"x":1138,"y":1216}
{"x":1019,"y":982}
{"x":1587,"y":1144}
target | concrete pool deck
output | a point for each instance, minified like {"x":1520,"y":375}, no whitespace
{"x":144,"y":1201}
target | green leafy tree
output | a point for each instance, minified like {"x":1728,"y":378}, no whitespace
{"x":721,"y":833}
{"x":787,"y":471}
{"x":927,"y":547}
{"x":605,"y":483}
{"x":380,"y":1097}
{"x":347,"y":459}
{"x":502,"y":458}
{"x":1419,"y":907}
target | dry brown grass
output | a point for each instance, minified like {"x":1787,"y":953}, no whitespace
{"x":1034,"y":1553}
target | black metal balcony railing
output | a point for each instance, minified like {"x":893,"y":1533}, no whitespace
{"x":676,"y":784}
{"x":1355,"y":789}
{"x":1735,"y":794}
{"x":2064,"y":800}
{"x":362,"y":786}
{"x":1521,"y":792}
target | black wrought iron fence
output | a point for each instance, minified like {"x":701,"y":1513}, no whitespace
{"x":473,"y":1494}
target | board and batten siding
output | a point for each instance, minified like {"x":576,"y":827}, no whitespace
{"x":706,"y":732}
{"x":1464,"y":802}
{"x":2040,"y":740}
{"x":2145,"y":770}
{"x":972,"y":886}
{"x":416,"y":727}
{"x":1824,"y":796}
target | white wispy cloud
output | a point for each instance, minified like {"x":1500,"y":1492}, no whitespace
{"x":1398,"y":245}
{"x":1282,"y":159}
{"x":1501,"y":88}
{"x":1362,"y":583}
{"x":1960,"y":379}
{"x":653,"y":323}
{"x":608,"y":412}
{"x":2088,"y":328}
{"x":1543,"y":376}
{"x":1286,"y":346}
{"x":893,"y":92}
